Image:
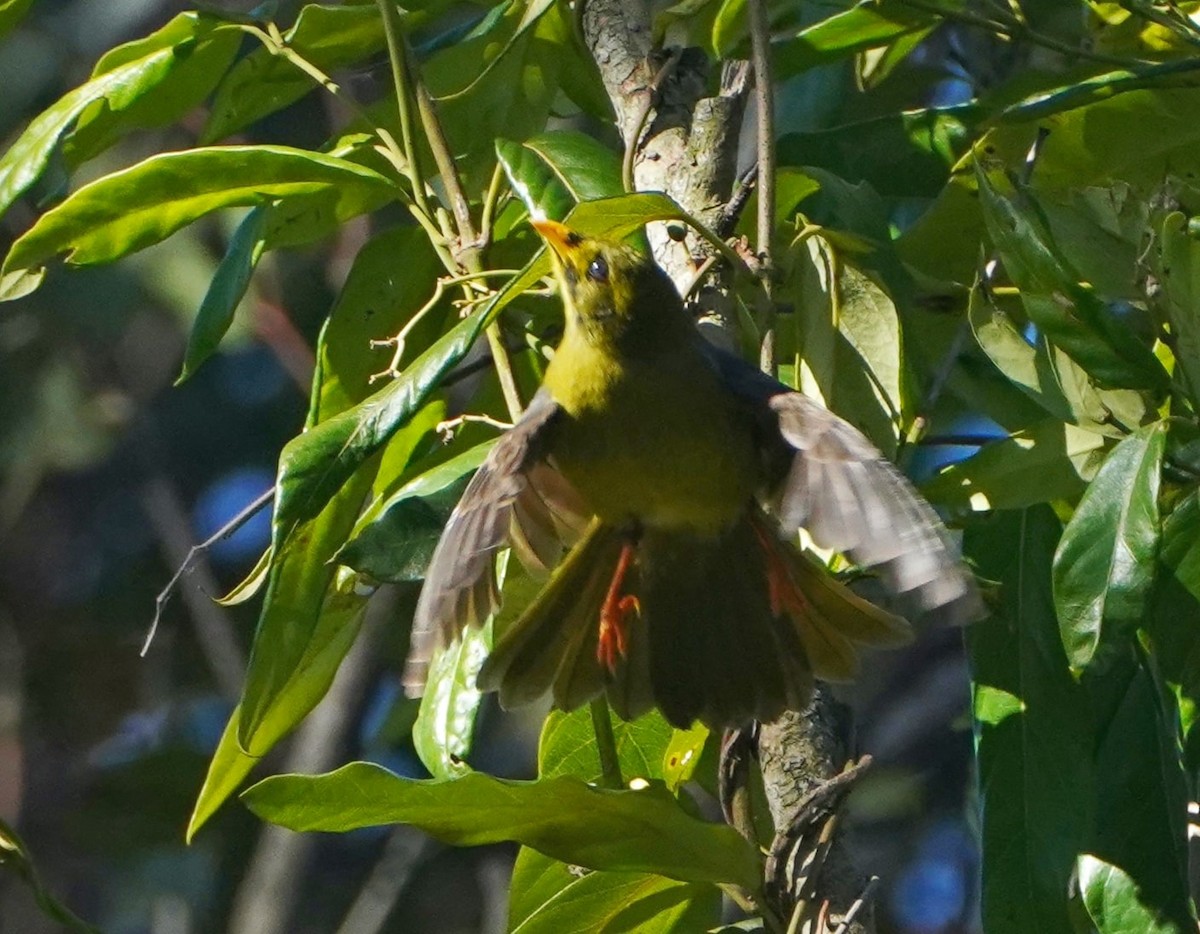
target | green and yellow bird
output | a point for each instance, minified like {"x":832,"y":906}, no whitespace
{"x":676,"y":478}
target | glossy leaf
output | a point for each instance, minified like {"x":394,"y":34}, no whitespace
{"x":379,"y":532}
{"x":546,"y":892}
{"x":313,"y":607}
{"x":1069,"y":314}
{"x":1105,"y":564}
{"x":445,"y":725}
{"x":226,"y":291}
{"x":134,"y":208}
{"x":552,"y":172}
{"x":541,"y":902}
{"x":125,"y":76}
{"x":619,"y":830}
{"x":1032,"y":738}
{"x":1113,"y":902}
{"x":314,"y":465}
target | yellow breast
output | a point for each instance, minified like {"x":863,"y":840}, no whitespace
{"x":652,"y":441}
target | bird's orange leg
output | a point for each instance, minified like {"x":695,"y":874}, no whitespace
{"x":614,"y":613}
{"x":785,"y":596}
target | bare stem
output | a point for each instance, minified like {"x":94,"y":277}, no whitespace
{"x":606,"y":743}
{"x":391,"y":32}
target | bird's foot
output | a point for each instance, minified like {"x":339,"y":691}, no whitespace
{"x":614,"y":631}
{"x":613,"y":639}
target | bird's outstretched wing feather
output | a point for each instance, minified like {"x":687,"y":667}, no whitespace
{"x":831,"y":481}
{"x":516,"y":498}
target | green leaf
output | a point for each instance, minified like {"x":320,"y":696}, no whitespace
{"x":1047,"y":462}
{"x":226,"y":772}
{"x":552,"y":172}
{"x":547,"y":897}
{"x":11,"y":13}
{"x":568,"y":745}
{"x":315,"y":465}
{"x":620,"y":830}
{"x":847,"y":341}
{"x":1104,"y":566}
{"x":394,"y":537}
{"x":1113,"y":903}
{"x":313,"y":607}
{"x":445,"y":725}
{"x":1069,"y":314}
{"x":1028,"y":366}
{"x":1174,"y":626}
{"x":903,"y":154}
{"x":683,"y":754}
{"x":1176,"y":259}
{"x":502,"y":81}
{"x":141,"y":205}
{"x":225,"y":292}
{"x":1032,"y":731}
{"x":125,"y":76}
{"x":1092,"y":141}
{"x":328,"y":37}
{"x":1141,"y":792}
{"x":867,"y":25}
{"x":15,"y":859}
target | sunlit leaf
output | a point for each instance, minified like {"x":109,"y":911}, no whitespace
{"x":1114,"y":904}
{"x":620,"y":830}
{"x":552,"y":172}
{"x":125,"y":76}
{"x":1105,"y":564}
{"x":136,"y":207}
{"x":1070,"y":315}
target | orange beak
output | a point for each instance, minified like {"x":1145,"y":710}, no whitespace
{"x":561,"y":238}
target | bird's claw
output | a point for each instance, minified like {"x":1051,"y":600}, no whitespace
{"x":614,"y":631}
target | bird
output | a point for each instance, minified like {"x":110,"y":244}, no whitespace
{"x":658,"y":485}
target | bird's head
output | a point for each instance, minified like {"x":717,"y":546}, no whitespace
{"x":614,"y":293}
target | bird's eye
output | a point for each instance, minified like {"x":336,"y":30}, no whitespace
{"x":597,"y":270}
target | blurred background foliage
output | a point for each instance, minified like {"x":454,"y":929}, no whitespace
{"x":1004,"y":405}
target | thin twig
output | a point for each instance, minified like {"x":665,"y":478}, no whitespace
{"x":448,"y":425}
{"x":1018,"y":31}
{"x":764,"y":98}
{"x":391,"y":32}
{"x":859,"y":904}
{"x":490,"y":200}
{"x":193,"y":555}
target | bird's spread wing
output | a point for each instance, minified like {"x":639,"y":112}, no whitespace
{"x":515,"y":498}
{"x":832,"y":482}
